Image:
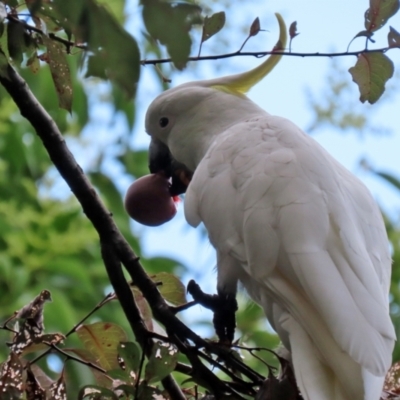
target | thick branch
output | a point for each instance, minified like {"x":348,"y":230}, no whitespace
{"x":115,"y":249}
{"x":112,"y":242}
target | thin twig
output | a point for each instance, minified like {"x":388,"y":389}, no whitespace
{"x":142,"y":358}
{"x":67,"y":43}
{"x":246,"y":40}
{"x":215,"y":363}
{"x":106,"y":299}
{"x":7,"y":328}
{"x":259,"y":54}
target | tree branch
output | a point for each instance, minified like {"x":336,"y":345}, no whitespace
{"x":115,"y":249}
{"x":112,"y":241}
{"x":260,"y":54}
{"x":67,"y":43}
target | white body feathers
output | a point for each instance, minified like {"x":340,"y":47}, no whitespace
{"x":308,"y":242}
{"x":301,"y":233}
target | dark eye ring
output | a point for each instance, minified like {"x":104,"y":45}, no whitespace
{"x":163,"y":122}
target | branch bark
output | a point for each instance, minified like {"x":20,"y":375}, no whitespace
{"x":116,"y":251}
{"x":111,"y":240}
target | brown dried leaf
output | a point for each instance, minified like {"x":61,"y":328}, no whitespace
{"x":379,"y":12}
{"x":34,"y":310}
{"x":58,"y":389}
{"x":213,"y":25}
{"x":33,"y":389}
{"x":144,"y":308}
{"x":11,"y":377}
{"x":255,"y":27}
{"x":60,"y":72}
{"x":392,"y":379}
{"x":293,"y":30}
{"x":393,"y":38}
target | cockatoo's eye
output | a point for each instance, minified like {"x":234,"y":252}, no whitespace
{"x":163,"y":122}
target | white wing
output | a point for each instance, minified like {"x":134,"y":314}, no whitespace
{"x":310,"y":241}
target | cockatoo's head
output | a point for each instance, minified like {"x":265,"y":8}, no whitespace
{"x":183,"y":121}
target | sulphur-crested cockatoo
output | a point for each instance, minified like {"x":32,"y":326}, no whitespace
{"x":299,"y":231}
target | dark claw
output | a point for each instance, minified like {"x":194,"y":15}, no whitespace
{"x":223,"y":306}
{"x":283,"y":387}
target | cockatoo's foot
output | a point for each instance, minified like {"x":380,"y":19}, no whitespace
{"x":224,"y":307}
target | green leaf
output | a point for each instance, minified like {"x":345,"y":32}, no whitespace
{"x":135,"y":162}
{"x":379,"y":12}
{"x":94,"y":392}
{"x":116,"y":8}
{"x":11,"y":3}
{"x":101,"y":379}
{"x":213,"y":25}
{"x":46,"y":16}
{"x":162,"y":361}
{"x":371,"y":72}
{"x":56,"y":58}
{"x":170,"y":24}
{"x":131,"y":354}
{"x":33,"y":62}
{"x":73,"y":12}
{"x":95,"y":67}
{"x":144,"y":308}
{"x":127,"y":389}
{"x":150,"y":393}
{"x":121,"y":63}
{"x":15,"y":41}
{"x":102,"y":340}
{"x":389,"y":178}
{"x":393,"y":38}
{"x":171,"y":288}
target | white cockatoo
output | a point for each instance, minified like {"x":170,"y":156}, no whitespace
{"x":299,"y":231}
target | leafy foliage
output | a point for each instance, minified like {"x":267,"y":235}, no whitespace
{"x":170,"y":24}
{"x":46,"y":242}
{"x":379,"y":13}
{"x":371,"y":73}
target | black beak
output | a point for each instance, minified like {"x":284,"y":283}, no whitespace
{"x":161,"y":160}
